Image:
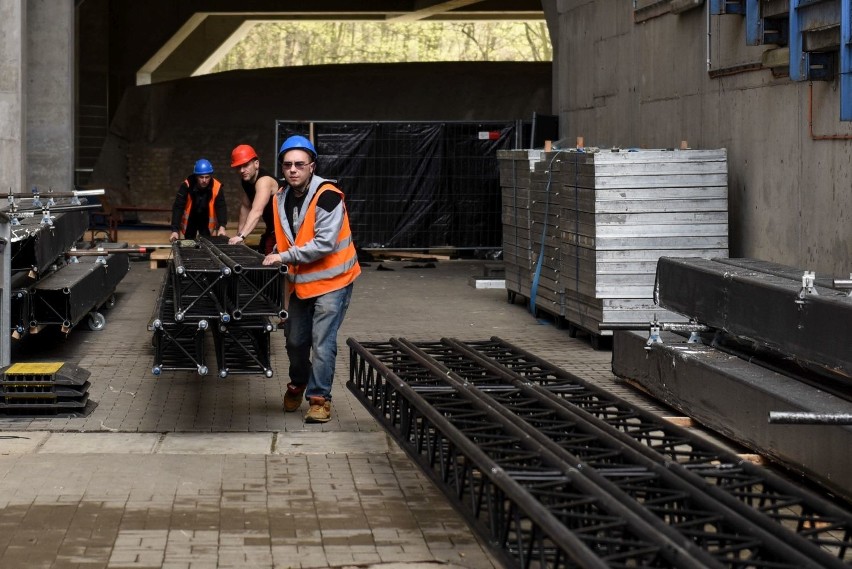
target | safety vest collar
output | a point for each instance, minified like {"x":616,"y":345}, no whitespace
{"x":315,"y":184}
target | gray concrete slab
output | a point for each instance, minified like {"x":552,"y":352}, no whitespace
{"x":184,"y":471}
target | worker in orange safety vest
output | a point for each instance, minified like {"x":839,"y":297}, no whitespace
{"x":314,"y":240}
{"x":199,"y":206}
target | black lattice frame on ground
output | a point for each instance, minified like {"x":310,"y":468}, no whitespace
{"x":530,"y":508}
{"x":733,"y":540}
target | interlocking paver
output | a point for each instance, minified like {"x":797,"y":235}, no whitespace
{"x":342,"y":493}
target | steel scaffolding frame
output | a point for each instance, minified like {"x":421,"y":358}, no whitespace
{"x":695,"y":497}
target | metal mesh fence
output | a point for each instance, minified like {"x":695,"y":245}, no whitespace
{"x":415,"y":184}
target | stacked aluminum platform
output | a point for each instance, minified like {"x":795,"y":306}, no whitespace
{"x":599,"y":220}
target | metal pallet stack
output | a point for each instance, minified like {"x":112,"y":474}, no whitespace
{"x":225,"y":288}
{"x":515,"y":169}
{"x":599,"y":220}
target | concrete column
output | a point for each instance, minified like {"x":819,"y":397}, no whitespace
{"x":50,"y":94}
{"x":12,"y":97}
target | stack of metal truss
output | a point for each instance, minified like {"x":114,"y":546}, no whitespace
{"x":210,"y":285}
{"x":599,"y":220}
{"x":50,"y":285}
{"x":556,"y":472}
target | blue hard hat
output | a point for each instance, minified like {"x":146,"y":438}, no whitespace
{"x":298,"y":142}
{"x":203,"y":166}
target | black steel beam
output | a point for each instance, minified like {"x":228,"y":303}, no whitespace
{"x":735,"y":397}
{"x":812,"y":325}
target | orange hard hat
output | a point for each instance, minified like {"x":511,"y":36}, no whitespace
{"x":242,"y":154}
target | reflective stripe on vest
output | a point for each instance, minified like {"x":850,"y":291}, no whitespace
{"x":329,"y":273}
{"x":211,"y":220}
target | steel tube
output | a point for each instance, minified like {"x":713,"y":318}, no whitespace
{"x":806,"y":418}
{"x":101,"y":252}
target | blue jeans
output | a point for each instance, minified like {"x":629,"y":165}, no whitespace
{"x":312,"y":324}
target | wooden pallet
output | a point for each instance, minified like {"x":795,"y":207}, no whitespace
{"x":159,"y":258}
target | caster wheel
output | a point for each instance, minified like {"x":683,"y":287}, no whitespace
{"x":572,"y":331}
{"x":96,"y":321}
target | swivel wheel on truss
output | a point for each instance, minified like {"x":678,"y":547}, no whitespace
{"x":97,"y":321}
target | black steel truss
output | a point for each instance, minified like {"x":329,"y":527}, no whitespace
{"x":75,"y":290}
{"x":681,"y":493}
{"x":225,"y":287}
{"x":177,"y":345}
{"x":252,"y":289}
{"x":244,"y":347}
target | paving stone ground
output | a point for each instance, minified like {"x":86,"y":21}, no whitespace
{"x":189,"y":472}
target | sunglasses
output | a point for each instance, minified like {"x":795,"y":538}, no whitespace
{"x":298,"y":165}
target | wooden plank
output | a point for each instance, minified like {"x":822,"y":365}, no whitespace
{"x":159,"y":258}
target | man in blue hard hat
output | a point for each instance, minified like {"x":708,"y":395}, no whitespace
{"x":200,"y":206}
{"x":314,"y":240}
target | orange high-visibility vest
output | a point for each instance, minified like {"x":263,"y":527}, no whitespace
{"x":329,"y":273}
{"x":211,"y":220}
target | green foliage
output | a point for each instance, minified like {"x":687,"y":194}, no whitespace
{"x":317,"y":43}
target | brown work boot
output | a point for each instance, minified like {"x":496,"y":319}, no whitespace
{"x":320,"y":411}
{"x":293,"y":397}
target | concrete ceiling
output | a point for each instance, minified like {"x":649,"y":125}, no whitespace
{"x":209,"y":29}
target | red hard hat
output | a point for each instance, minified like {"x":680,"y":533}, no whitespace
{"x":242,"y":154}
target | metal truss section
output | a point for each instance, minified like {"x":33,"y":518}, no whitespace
{"x":225,"y":287}
{"x":243,"y":347}
{"x":20,"y":313}
{"x":197,"y":283}
{"x":711,"y":508}
{"x":36,"y":245}
{"x":177,"y":345}
{"x":532,"y":509}
{"x":77,"y":290}
{"x":252,"y":289}
{"x":726,"y":476}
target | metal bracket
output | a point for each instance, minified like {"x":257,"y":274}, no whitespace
{"x":808,"y":278}
{"x":654,"y":335}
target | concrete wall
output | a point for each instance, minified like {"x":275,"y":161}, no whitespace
{"x":50,"y":94}
{"x":12,"y":101}
{"x":622,"y":83}
{"x":160,"y":130}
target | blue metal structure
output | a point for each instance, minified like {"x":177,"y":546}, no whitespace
{"x":807,"y":63}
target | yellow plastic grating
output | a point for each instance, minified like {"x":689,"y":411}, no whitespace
{"x":40,"y":368}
